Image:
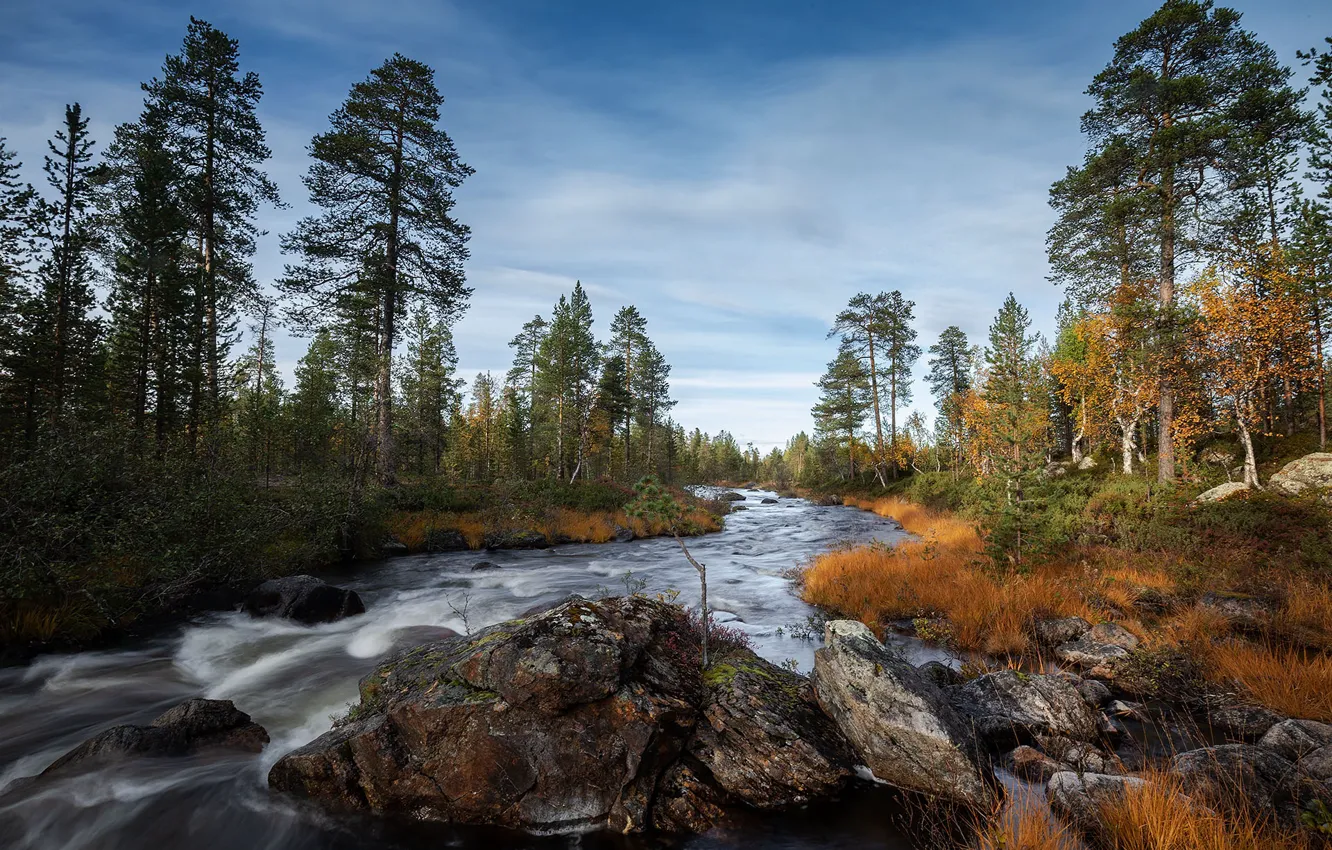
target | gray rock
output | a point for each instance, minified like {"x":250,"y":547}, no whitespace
{"x":1293,"y":739}
{"x":1064,"y":630}
{"x":1221,"y":492}
{"x":1008,"y":707}
{"x":1245,"y":612}
{"x":768,"y":501}
{"x":1311,"y":473}
{"x":624,"y":535}
{"x":1234,"y":777}
{"x":1113,"y":634}
{"x":304,"y":599}
{"x":1244,"y":722}
{"x":732,"y":497}
{"x":898,"y":721}
{"x":1077,"y":797}
{"x":392,"y":548}
{"x":445,"y":540}
{"x":1094,"y":693}
{"x":483,"y":566}
{"x":1318,"y":764}
{"x":1092,"y":655}
{"x":516,"y":540}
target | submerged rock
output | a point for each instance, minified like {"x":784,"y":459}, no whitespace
{"x":899,"y":721}
{"x":1009,"y":706}
{"x":192,"y":726}
{"x":304,"y":599}
{"x":768,"y":501}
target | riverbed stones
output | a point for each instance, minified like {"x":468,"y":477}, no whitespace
{"x":445,"y":540}
{"x":1244,"y":777}
{"x":899,"y":722}
{"x":1096,"y":657}
{"x":1114,"y":635}
{"x":1293,"y":739}
{"x":763,"y":737}
{"x":1244,"y":612}
{"x":190,"y":727}
{"x":1244,"y":722}
{"x":1008,"y":707}
{"x":516,"y":540}
{"x":303,"y":598}
{"x":1094,"y":693}
{"x":732,"y":496}
{"x":1031,"y":764}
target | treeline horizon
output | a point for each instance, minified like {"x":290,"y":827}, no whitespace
{"x":124,"y":283}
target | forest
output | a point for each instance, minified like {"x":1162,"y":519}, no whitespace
{"x":149,"y":445}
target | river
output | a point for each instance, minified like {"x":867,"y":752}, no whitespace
{"x":291,"y":679}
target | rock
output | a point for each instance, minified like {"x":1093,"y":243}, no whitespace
{"x":1087,"y":462}
{"x":1080,"y":755}
{"x":751,"y":485}
{"x":768,"y":501}
{"x":624,"y":535}
{"x":1221,"y":492}
{"x":1113,"y":634}
{"x":1094,"y":693}
{"x":829,"y":501}
{"x":1125,"y":708}
{"x":1077,"y":797}
{"x":1064,"y":630}
{"x":763,"y":738}
{"x":392,"y":548}
{"x":543,"y":607}
{"x":1008,"y":707}
{"x":732,"y":497}
{"x":1318,"y":764}
{"x":560,"y":722}
{"x":1244,"y":612}
{"x":445,"y":540}
{"x":1293,"y":739}
{"x":1054,"y":469}
{"x":1097,"y":657}
{"x":1234,"y":777}
{"x":1244,"y":722}
{"x":686,"y":802}
{"x":192,"y":726}
{"x":483,"y":566}
{"x":1311,"y":473}
{"x":899,"y":722}
{"x":1031,"y":764}
{"x":940,"y":674}
{"x":516,"y":540}
{"x":304,"y":599}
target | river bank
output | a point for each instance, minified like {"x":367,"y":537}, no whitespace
{"x":103,"y":585}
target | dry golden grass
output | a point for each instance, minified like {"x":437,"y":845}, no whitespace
{"x":939,"y":575}
{"x":1159,"y":816}
{"x":1306,"y":615}
{"x":1193,"y":629}
{"x":1294,"y":682}
{"x":1025,"y":824}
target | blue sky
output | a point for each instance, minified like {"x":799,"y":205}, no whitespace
{"x":737,"y":170}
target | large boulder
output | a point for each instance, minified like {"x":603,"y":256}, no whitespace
{"x":516,"y":540}
{"x":1009,"y":706}
{"x":1221,"y":492}
{"x":1243,"y":722}
{"x":900,"y":723}
{"x":1077,"y":797}
{"x":763,"y":737}
{"x":1062,"y":630}
{"x":731,"y":497}
{"x":561,"y":722}
{"x":445,"y":540}
{"x":1096,"y":657}
{"x":1114,"y":635}
{"x":1245,"y":777}
{"x":304,"y":599}
{"x":192,"y":726}
{"x":1311,"y":473}
{"x":1294,"y":739}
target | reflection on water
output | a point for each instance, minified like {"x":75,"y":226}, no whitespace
{"x":291,"y":678}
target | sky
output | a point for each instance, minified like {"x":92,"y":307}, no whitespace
{"x":737,"y":169}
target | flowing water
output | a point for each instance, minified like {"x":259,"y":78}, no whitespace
{"x":292,"y":678}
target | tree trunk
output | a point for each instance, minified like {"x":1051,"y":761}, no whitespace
{"x":703,"y":587}
{"x":1250,"y":464}
{"x":1127,"y":432}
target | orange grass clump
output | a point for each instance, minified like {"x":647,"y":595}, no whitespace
{"x":1306,"y":615}
{"x":1291,"y":681}
{"x":1160,"y":816}
{"x":938,"y":575}
{"x":1026,"y":824}
{"x":1193,"y":629}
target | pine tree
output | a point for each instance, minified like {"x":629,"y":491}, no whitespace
{"x":384,"y":175}
{"x":900,"y":356}
{"x":1319,"y":134}
{"x":213,"y":134}
{"x":1172,"y":94}
{"x":566,"y":374}
{"x":628,"y":336}
{"x":522,"y":377}
{"x":845,"y":398}
{"x":614,"y":400}
{"x":861,"y":326}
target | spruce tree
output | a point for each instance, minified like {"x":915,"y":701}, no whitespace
{"x":653,"y":400}
{"x":628,"y":336}
{"x":314,"y":407}
{"x":845,"y":398}
{"x":384,"y":174}
{"x":522,"y":377}
{"x":949,"y":378}
{"x":900,"y":355}
{"x":16,"y":203}
{"x":566,"y":372}
{"x":427,"y":376}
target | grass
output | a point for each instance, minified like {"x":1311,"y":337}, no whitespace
{"x":1024,"y":824}
{"x":1293,"y":681}
{"x":1160,"y":816}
